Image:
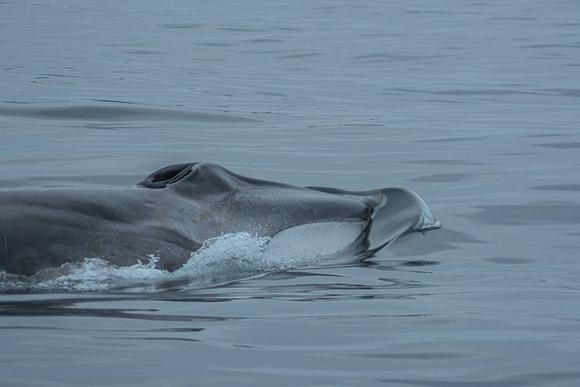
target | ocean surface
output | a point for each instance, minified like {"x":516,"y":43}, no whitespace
{"x":474,"y":105}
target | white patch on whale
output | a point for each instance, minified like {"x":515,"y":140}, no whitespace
{"x":313,"y":240}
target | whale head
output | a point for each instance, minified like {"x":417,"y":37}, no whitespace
{"x":316,"y":218}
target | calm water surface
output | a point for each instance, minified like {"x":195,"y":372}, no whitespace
{"x":474,"y":105}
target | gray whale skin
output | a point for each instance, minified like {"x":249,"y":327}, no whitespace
{"x":174,"y":210}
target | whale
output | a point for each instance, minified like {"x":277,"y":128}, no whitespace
{"x":172,"y":212}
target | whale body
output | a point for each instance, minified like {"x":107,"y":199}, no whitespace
{"x":171,"y":212}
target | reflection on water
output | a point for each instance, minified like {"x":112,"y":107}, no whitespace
{"x":442,"y":178}
{"x":473,"y":105}
{"x":530,"y":214}
{"x":558,"y":187}
{"x":283,"y":286}
{"x":561,"y":145}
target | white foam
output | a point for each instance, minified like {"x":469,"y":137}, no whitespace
{"x":95,"y":274}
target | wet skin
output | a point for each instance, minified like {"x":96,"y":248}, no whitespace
{"x":174,"y":210}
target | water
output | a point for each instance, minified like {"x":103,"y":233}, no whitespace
{"x":474,"y":105}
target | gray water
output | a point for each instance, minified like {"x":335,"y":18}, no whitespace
{"x":472,"y":104}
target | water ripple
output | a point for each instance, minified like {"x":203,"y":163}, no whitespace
{"x":117,"y":113}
